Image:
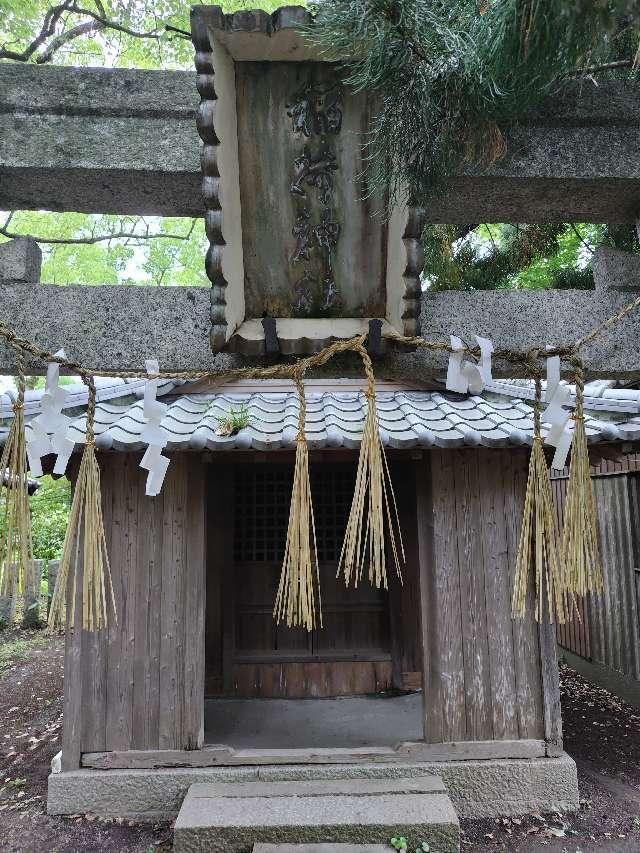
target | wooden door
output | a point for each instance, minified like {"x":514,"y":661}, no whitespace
{"x":351,"y":653}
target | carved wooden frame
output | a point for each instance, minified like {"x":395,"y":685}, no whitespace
{"x":252,"y":36}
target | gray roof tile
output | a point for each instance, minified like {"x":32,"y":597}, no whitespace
{"x":334,"y":418}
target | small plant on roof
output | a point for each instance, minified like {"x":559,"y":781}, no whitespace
{"x":399,"y":842}
{"x":233,"y":421}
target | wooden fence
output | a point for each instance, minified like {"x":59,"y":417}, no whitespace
{"x":607,"y":631}
{"x":30,"y":604}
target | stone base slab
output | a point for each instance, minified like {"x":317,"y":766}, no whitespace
{"x":219,"y":817}
{"x":488,"y":788}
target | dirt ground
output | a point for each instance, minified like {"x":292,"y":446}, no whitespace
{"x":602,"y":733}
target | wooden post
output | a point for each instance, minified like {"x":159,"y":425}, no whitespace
{"x":52,"y":576}
{"x":431,"y":708}
{"x":72,"y":703}
{"x":8,"y":603}
{"x":550,"y":685}
{"x":32,"y":583}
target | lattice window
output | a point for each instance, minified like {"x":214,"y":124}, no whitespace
{"x":262,"y":497}
{"x":332,"y":492}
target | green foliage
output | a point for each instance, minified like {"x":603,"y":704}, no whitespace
{"x":490,"y":257}
{"x":452,"y":74}
{"x":137,"y":259}
{"x":21,"y":20}
{"x":400,"y":844}
{"x":233,"y":421}
{"x":49,"y":515}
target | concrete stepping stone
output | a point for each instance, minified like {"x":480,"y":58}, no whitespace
{"x":235,"y":816}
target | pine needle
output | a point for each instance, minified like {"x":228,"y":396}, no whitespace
{"x":446,"y":79}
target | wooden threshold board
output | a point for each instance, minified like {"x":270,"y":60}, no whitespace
{"x":219,"y":755}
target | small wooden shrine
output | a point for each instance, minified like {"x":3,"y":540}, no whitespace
{"x":428,"y":676}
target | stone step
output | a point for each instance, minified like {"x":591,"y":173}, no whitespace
{"x":235,"y":816}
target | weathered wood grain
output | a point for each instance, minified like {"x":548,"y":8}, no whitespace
{"x":552,"y":712}
{"x":266,"y":175}
{"x":192,"y":733}
{"x":448,"y":614}
{"x":498,"y":596}
{"x":470,"y":533}
{"x":220,"y":755}
{"x":145,"y":674}
{"x":72,"y":700}
{"x":525,"y":634}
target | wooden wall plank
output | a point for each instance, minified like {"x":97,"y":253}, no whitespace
{"x":498,"y":596}
{"x":172,"y":609}
{"x":194,"y":610}
{"x":94,"y":644}
{"x":143,"y":678}
{"x":471,"y":567}
{"x":411,"y":644}
{"x":309,"y":679}
{"x":118,"y":714}
{"x":72,"y":701}
{"x":525,"y":634}
{"x":433,"y":727}
{"x":447,"y":648}
{"x":552,"y":713}
{"x":633,"y":484}
{"x":152,"y":549}
{"x":144,"y":616}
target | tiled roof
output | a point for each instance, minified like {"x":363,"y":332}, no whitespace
{"x":334,"y":417}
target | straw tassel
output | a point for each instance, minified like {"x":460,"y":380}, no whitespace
{"x":299,"y":579}
{"x":538,"y":549}
{"x":373,"y":493}
{"x":580,"y":545}
{"x":84,"y":552}
{"x":16,"y":547}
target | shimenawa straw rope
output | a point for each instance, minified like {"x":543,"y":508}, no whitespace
{"x":580,"y":545}
{"x":372,"y":490}
{"x":16,"y":547}
{"x":84,"y":552}
{"x":538,"y":549}
{"x":296,"y":597}
{"x":372,"y":477}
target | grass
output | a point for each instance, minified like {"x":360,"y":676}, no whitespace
{"x":233,"y":421}
{"x":17,"y":648}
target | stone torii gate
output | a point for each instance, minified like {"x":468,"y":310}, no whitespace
{"x":125,"y":141}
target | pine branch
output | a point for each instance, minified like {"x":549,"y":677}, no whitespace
{"x":607,"y":66}
{"x":96,"y":238}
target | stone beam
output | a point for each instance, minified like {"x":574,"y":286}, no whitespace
{"x":125,"y":141}
{"x":99,"y":140}
{"x":116,"y":328}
